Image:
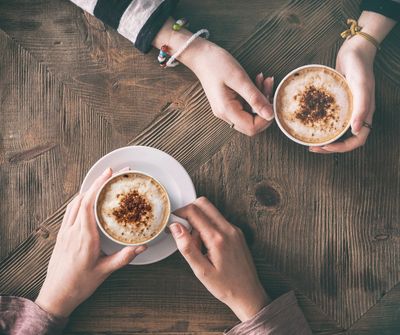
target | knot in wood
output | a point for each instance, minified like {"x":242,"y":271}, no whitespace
{"x":267,"y":196}
{"x":381,"y":237}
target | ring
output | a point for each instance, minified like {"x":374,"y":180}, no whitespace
{"x":232,"y":125}
{"x":367,"y":125}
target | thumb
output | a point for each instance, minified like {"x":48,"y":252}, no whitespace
{"x":254,"y":97}
{"x":121,"y":258}
{"x":361,"y":106}
{"x":189,"y":249}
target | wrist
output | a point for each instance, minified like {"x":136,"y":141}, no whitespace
{"x":195,"y":52}
{"x":248,"y":308}
{"x":361,"y":45}
{"x":173,"y":39}
{"x":53,"y":307}
{"x":176,"y":39}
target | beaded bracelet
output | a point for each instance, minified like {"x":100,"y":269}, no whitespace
{"x":162,"y":56}
{"x":179,"y":24}
{"x":164,"y":51}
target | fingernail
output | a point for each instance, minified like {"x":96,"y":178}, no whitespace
{"x":355,"y":129}
{"x":140,"y":249}
{"x":267,"y":113}
{"x":272,"y":82}
{"x":176,"y":229}
{"x":259,"y":80}
{"x":107,"y":172}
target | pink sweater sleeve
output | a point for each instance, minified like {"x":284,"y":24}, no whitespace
{"x":283,"y":316}
{"x":22,"y":316}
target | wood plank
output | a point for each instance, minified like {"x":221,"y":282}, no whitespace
{"x":383,"y":318}
{"x":43,"y":129}
{"x":205,"y":314}
{"x":93,"y":60}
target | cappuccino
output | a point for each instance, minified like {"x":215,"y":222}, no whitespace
{"x":313,"y":105}
{"x":132,"y":208}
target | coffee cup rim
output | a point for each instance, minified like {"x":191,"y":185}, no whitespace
{"x":333,"y":139}
{"x":98,"y":220}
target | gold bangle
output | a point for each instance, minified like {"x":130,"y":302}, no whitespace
{"x":355,"y":29}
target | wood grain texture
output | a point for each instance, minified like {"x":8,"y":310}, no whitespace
{"x":326,"y":226}
{"x":43,"y":128}
{"x":383,"y":318}
{"x":103,"y":67}
{"x":336,"y":246}
{"x":106,"y":75}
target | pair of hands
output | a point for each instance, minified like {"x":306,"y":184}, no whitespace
{"x":229,"y":88}
{"x":77,"y":266}
{"x":247,"y":106}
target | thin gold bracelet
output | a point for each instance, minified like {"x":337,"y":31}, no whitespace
{"x":355,"y":29}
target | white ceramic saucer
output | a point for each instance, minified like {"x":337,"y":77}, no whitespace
{"x":165,"y":169}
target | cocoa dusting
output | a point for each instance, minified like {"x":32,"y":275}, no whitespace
{"x":134,"y":209}
{"x":316,"y":106}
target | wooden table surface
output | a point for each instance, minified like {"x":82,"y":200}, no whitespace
{"x":72,"y":89}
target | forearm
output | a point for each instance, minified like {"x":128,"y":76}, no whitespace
{"x":376,"y":25}
{"x":255,"y":301}
{"x":22,"y":316}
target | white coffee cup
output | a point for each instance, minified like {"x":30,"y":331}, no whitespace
{"x":278,"y":116}
{"x":170,"y":218}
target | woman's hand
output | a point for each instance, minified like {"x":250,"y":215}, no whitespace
{"x":229,"y":88}
{"x":227,"y":269}
{"x":77,"y":267}
{"x":225,"y":82}
{"x":355,"y":61}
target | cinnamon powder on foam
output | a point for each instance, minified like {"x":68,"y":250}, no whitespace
{"x":134,"y":209}
{"x":316,"y":106}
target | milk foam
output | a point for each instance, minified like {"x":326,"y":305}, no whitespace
{"x":288,"y":102}
{"x":110,"y":199}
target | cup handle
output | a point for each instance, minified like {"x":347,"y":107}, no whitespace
{"x":183,"y":222}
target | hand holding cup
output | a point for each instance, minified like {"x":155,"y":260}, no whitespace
{"x":355,"y":61}
{"x":77,"y":266}
{"x":227,"y":269}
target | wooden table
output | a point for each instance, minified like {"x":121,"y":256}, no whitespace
{"x":72,"y":89}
